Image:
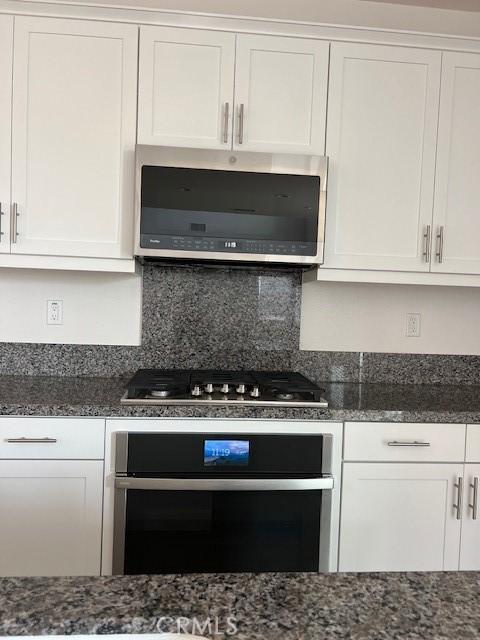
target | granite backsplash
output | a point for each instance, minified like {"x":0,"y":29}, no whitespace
{"x":232,"y":318}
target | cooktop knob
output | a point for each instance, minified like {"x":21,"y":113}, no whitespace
{"x":255,"y":392}
{"x":241,"y":389}
{"x":225,"y":388}
{"x":196,"y":391}
{"x":209,"y":387}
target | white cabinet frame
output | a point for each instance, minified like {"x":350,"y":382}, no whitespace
{"x":6,"y":71}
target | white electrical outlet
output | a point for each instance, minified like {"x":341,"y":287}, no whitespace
{"x":54,"y":311}
{"x":413,"y":325}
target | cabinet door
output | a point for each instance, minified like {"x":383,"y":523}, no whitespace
{"x":381,"y":140}
{"x":73,"y":145}
{"x":185,"y":87}
{"x":6,"y":58}
{"x":470,"y":545}
{"x":399,"y":517}
{"x":51,"y":517}
{"x":457,"y":185}
{"x":281,"y":94}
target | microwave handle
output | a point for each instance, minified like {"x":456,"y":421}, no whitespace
{"x":225,"y":484}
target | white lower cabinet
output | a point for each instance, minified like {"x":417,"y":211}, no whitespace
{"x":51,"y":517}
{"x":400,"y":517}
{"x":470,"y":545}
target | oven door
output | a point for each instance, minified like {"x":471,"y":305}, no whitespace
{"x":166,"y":525}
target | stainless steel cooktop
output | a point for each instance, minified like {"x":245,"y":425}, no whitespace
{"x":213,"y":387}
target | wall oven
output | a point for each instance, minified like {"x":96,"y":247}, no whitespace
{"x":213,"y":503}
{"x":194,"y":204}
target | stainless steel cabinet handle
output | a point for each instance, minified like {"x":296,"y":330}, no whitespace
{"x":226,"y":110}
{"x":427,"y":237}
{"x":459,"y":486}
{"x":225,"y":484}
{"x":31,"y":440}
{"x":408,"y":443}
{"x":1,"y":214}
{"x":241,"y":117}
{"x":439,"y":252}
{"x":474,"y":505}
{"x":13,"y":222}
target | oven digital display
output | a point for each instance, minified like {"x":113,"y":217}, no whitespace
{"x":225,"y":453}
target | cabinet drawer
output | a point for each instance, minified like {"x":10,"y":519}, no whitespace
{"x":52,"y":438}
{"x":404,"y":442}
{"x":473,"y":443}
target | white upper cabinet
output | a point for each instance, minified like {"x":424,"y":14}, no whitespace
{"x":457,"y":190}
{"x":381,"y":140}
{"x":185,"y":87}
{"x":6,"y":51}
{"x":73,"y":137}
{"x":280,"y":94}
{"x":196,"y":90}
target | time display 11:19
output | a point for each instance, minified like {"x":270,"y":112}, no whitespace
{"x":226,"y":453}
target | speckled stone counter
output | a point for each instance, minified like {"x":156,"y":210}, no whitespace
{"x":414,"y":606}
{"x":66,"y":396}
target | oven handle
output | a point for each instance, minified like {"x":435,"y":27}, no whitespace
{"x":225,"y":484}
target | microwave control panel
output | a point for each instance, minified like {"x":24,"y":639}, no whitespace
{"x":191,"y":243}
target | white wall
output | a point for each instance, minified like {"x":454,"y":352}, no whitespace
{"x":372,"y":317}
{"x":345,"y":12}
{"x":98,"y":308}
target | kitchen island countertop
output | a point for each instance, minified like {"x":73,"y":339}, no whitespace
{"x":400,"y":606}
{"x":67,"y":396}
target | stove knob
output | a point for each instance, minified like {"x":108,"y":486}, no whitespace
{"x":196,"y":391}
{"x":241,"y":389}
{"x":225,"y":388}
{"x":255,"y":392}
{"x":209,"y":388}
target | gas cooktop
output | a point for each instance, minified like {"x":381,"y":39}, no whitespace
{"x":195,"y":386}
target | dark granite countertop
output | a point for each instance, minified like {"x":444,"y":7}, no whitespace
{"x":401,"y":606}
{"x":65,"y":396}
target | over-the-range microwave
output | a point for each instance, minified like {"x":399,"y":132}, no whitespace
{"x":198,"y":204}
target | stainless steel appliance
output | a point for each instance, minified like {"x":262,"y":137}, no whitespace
{"x":221,"y":502}
{"x":212,"y":387}
{"x":195,"y":204}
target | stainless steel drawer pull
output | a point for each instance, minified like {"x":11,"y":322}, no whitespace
{"x":1,"y":214}
{"x":226,"y":110}
{"x":439,"y":252}
{"x":31,"y":440}
{"x":427,"y":237}
{"x":459,"y":486}
{"x":474,"y":505}
{"x":241,"y":117}
{"x":408,"y":443}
